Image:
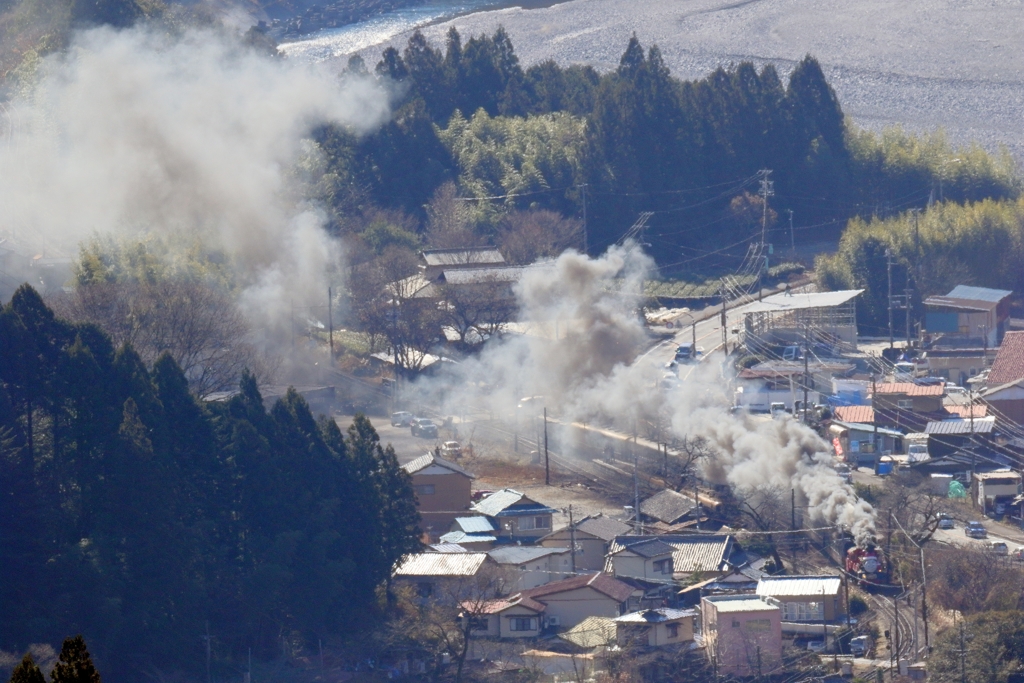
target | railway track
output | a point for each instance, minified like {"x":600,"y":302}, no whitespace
{"x":900,"y":623}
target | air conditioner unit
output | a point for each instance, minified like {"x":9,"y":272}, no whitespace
{"x":553,"y":621}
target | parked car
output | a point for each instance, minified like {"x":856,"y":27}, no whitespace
{"x":422,"y":426}
{"x":401,"y":419}
{"x":451,"y":449}
{"x":778,"y":410}
{"x":975,"y":530}
{"x":1017,"y":554}
{"x":997,"y":548}
{"x":945,"y":521}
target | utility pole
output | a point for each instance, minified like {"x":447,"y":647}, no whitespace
{"x":924,"y":600}
{"x":547,"y":464}
{"x":766,"y":190}
{"x":874,"y":442}
{"x":807,"y":374}
{"x":636,"y":496}
{"x":586,"y":244}
{"x":572,"y":541}
{"x":792,"y":234}
{"x":906,"y":306}
{"x":888,"y":267}
{"x":330,"y":323}
{"x":792,"y":509}
{"x":725,"y":340}
{"x":962,"y":653}
{"x":207,"y":639}
{"x":917,"y":245}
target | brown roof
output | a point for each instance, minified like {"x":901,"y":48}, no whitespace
{"x":856,"y":414}
{"x":602,"y":583}
{"x":1009,"y":363}
{"x":980,"y":410}
{"x":425,"y":461}
{"x":910,"y":389}
{"x":502,"y":604}
{"x":602,"y":527}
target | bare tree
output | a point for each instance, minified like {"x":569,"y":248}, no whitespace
{"x":765,"y":506}
{"x":483,"y":306}
{"x":530,"y":235}
{"x":196,"y":322}
{"x":451,"y":221}
{"x":444,"y":621}
{"x":391,"y":303}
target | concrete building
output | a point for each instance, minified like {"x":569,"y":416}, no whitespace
{"x":443,"y":492}
{"x":991,"y":489}
{"x":813,"y":599}
{"x":655,"y":627}
{"x":742,"y":634}
{"x":593,"y":535}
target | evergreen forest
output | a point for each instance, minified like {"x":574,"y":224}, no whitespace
{"x":147,"y":521}
{"x":637,"y":139}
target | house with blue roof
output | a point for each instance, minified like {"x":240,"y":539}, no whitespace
{"x":516,"y":516}
{"x":969,"y":316}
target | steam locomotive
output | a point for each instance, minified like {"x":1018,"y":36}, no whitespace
{"x":867,"y":565}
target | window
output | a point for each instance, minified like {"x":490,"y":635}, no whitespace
{"x":802,"y":611}
{"x":479,"y":623}
{"x":523,"y":624}
{"x":424,"y":490}
{"x":758,"y":625}
{"x":663,"y":566}
{"x":528,"y":523}
{"x":673,"y":630}
{"x":905,"y":404}
{"x":735,"y":623}
{"x":425,"y":590}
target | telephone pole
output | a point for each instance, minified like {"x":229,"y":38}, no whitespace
{"x":547,"y":464}
{"x":766,"y":190}
{"x":330,"y":323}
{"x":888,"y":268}
{"x":572,"y":541}
{"x":586,"y":245}
{"x":792,"y":234}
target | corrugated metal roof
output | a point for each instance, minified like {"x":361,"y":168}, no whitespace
{"x":591,"y":632}
{"x":502,"y":604}
{"x":474,"y":525}
{"x":728,"y":603}
{"x":441,"y":564}
{"x":860,"y":427}
{"x":463,"y":537}
{"x":463,"y":256}
{"x":667,"y":506}
{"x":425,"y":461}
{"x":801,"y":300}
{"x":959,"y":304}
{"x":910,"y":389}
{"x":522,"y":554}
{"x":498,"y":501}
{"x":795,"y":586}
{"x":979,"y":293}
{"x":655,"y":616}
{"x":447,"y":548}
{"x":981,"y":425}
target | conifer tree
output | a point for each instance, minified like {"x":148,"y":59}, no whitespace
{"x":27,"y":672}
{"x":74,"y":664}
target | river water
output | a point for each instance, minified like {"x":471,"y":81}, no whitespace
{"x":338,"y":42}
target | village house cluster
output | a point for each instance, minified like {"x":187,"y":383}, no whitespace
{"x":596,"y":587}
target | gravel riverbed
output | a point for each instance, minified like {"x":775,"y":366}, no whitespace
{"x":925,"y":64}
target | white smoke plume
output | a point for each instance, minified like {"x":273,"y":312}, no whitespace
{"x":138,"y":132}
{"x":581,"y":355}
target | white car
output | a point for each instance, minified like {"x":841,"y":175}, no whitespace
{"x":451,"y":449}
